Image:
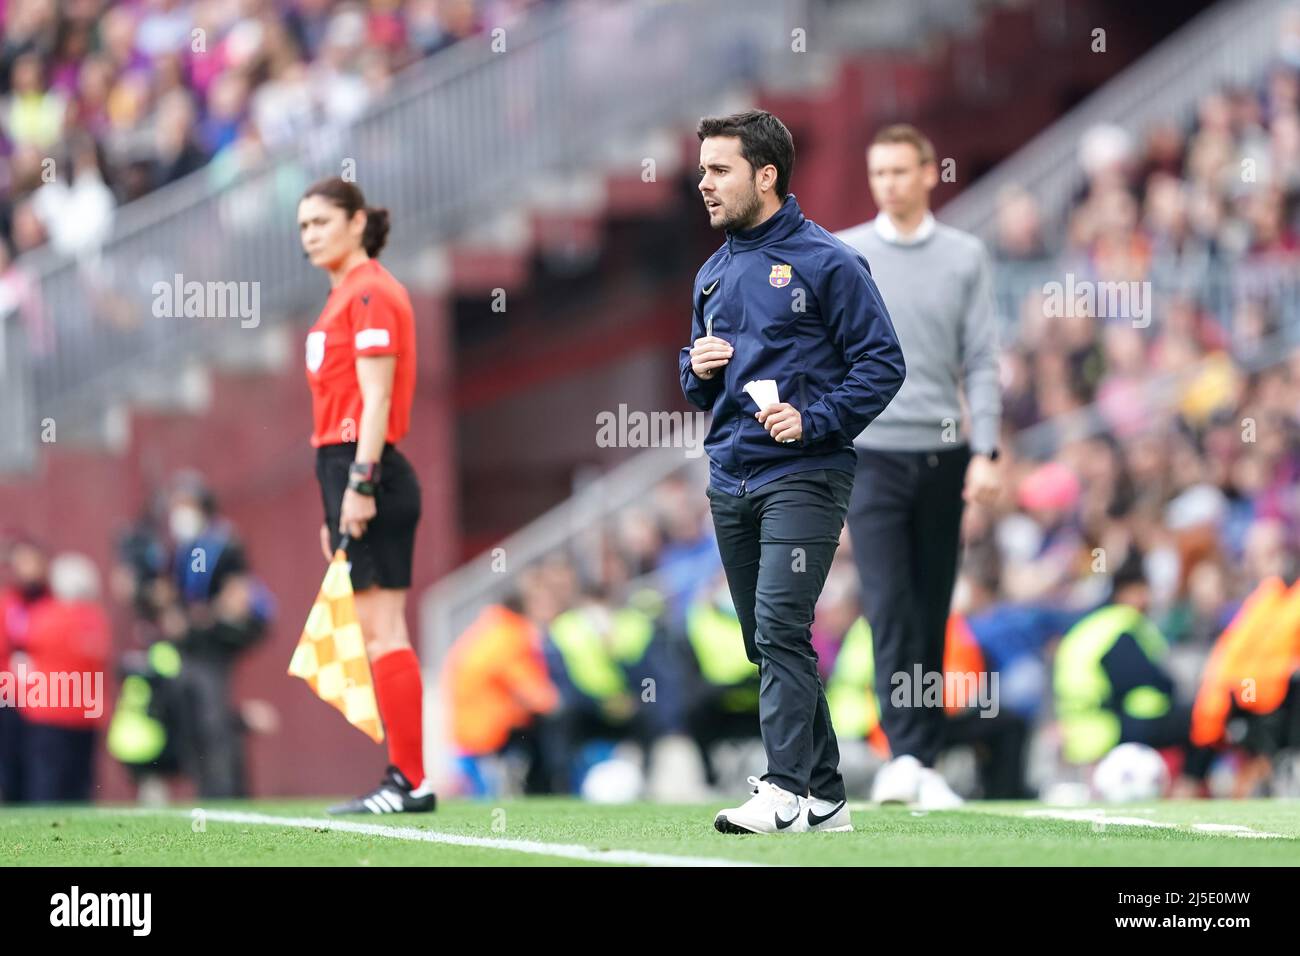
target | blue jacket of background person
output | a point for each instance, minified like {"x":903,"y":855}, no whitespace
{"x":800,"y":307}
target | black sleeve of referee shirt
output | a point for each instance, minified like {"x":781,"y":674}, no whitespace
{"x":859,"y":325}
{"x":700,"y":392}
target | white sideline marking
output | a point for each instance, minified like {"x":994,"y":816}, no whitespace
{"x":1099,"y":816}
{"x":569,"y":851}
{"x":1232,"y":829}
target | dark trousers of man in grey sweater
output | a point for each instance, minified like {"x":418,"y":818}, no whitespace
{"x":905,"y":515}
{"x":905,"y":519}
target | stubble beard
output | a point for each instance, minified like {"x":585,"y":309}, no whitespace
{"x":745,"y":216}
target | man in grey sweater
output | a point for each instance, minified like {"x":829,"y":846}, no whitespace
{"x":916,"y":469}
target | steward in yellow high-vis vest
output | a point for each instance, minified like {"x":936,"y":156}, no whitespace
{"x":613,"y":670}
{"x":1109,"y":675}
{"x":1112,"y":685}
{"x":718,"y":649}
{"x":595,"y":645}
{"x":722,"y":682}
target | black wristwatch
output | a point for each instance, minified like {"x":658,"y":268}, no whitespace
{"x":363,"y":477}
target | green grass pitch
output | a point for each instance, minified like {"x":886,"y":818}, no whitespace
{"x":550,"y":832}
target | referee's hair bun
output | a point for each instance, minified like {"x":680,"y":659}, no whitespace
{"x":376,"y":234}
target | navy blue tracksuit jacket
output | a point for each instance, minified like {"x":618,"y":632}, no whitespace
{"x":798,"y":306}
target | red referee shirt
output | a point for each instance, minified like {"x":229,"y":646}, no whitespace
{"x":368,"y":313}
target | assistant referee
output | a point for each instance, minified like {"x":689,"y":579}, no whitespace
{"x":361,"y":370}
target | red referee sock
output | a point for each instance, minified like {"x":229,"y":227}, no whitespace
{"x":400,"y":693}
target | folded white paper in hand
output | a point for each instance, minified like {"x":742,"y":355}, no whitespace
{"x":764,"y":393}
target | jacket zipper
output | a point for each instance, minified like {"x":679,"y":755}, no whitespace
{"x":736,"y":455}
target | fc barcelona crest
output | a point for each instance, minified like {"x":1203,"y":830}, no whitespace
{"x":780,"y":276}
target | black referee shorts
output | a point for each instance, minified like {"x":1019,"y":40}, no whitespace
{"x":382,"y":556}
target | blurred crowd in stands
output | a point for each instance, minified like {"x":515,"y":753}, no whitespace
{"x":102,"y":102}
{"x":1173,"y":430}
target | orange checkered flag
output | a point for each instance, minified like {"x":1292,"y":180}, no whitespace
{"x":331,"y":654}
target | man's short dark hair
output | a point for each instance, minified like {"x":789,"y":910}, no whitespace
{"x":910,"y":135}
{"x":764,"y":141}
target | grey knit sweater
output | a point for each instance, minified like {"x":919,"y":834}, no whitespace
{"x":938,"y":290}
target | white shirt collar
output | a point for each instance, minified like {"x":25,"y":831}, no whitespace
{"x":887,"y":231}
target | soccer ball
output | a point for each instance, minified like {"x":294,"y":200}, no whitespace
{"x":1130,"y":773}
{"x":613,"y":781}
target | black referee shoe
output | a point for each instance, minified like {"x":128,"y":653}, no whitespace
{"x":394,"y":795}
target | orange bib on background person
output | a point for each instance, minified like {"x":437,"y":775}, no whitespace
{"x":1252,"y":661}
{"x":495,"y":681}
{"x":961,"y":655}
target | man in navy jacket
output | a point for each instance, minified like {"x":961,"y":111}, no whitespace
{"x":782,"y":300}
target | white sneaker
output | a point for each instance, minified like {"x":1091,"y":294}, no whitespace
{"x":898,"y":781}
{"x":826,"y":816}
{"x":934,"y":792}
{"x":769,"y":810}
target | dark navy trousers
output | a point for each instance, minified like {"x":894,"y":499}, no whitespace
{"x":777,"y":544}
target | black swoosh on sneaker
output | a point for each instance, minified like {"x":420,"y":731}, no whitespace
{"x":784,"y":824}
{"x":816,"y":821}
